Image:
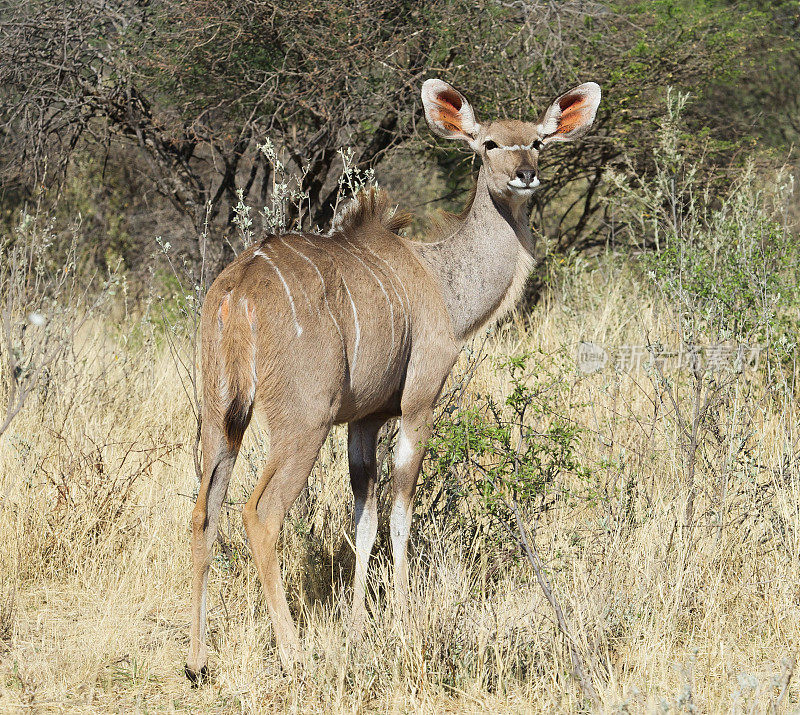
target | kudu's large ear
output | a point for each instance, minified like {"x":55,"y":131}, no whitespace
{"x":448,"y":112}
{"x":571,"y":114}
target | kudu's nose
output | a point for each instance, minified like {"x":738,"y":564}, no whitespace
{"x":526,"y":175}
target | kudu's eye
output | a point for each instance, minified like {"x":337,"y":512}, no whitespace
{"x":489,"y":145}
{"x":537,"y":145}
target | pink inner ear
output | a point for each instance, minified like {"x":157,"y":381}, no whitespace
{"x":448,"y":110}
{"x":573,"y":113}
{"x":449,"y":121}
{"x":447,"y":97}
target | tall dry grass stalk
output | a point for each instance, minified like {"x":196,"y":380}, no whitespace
{"x":96,"y":487}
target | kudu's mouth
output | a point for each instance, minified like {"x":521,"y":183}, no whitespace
{"x":518,"y":186}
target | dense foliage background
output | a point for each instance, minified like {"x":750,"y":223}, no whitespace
{"x":143,"y":117}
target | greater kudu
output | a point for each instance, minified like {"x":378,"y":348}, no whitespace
{"x":359,"y":325}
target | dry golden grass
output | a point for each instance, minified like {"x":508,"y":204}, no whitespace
{"x":94,"y":592}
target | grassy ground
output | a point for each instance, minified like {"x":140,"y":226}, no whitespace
{"x":96,"y":486}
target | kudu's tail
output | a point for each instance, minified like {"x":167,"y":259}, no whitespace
{"x":238,"y":352}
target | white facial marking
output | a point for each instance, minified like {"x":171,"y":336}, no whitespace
{"x":297,"y":325}
{"x":517,"y":147}
{"x":358,"y":327}
{"x":517,"y":183}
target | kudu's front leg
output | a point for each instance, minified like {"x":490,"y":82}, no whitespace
{"x":415,"y":429}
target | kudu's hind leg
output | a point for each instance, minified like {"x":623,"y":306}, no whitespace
{"x":290,"y":462}
{"x":362,"y":439}
{"x":218,"y":461}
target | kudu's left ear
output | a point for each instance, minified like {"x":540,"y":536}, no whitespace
{"x":571,"y":115}
{"x":448,"y":112}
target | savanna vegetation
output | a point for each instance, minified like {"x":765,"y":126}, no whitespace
{"x":609,"y":514}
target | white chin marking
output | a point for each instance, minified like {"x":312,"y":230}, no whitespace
{"x":518,"y":186}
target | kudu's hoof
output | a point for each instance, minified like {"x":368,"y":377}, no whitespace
{"x":197,"y":678}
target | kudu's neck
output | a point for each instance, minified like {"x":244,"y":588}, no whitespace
{"x":483,"y":264}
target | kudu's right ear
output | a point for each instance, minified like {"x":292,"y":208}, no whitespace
{"x":448,"y":112}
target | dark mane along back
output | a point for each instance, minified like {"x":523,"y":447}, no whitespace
{"x":370,"y":207}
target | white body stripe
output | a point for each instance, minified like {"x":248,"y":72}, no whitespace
{"x":357,"y":326}
{"x":402,"y":300}
{"x":383,"y":290}
{"x":297,"y":325}
{"x":324,"y":294}
{"x":406,"y":306}
{"x":299,"y":282}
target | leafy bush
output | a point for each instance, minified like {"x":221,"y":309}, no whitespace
{"x":725,"y":262}
{"x":495,"y":454}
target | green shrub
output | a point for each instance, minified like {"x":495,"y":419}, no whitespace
{"x":497,"y":452}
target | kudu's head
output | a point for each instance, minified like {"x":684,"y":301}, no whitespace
{"x":509,"y":148}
